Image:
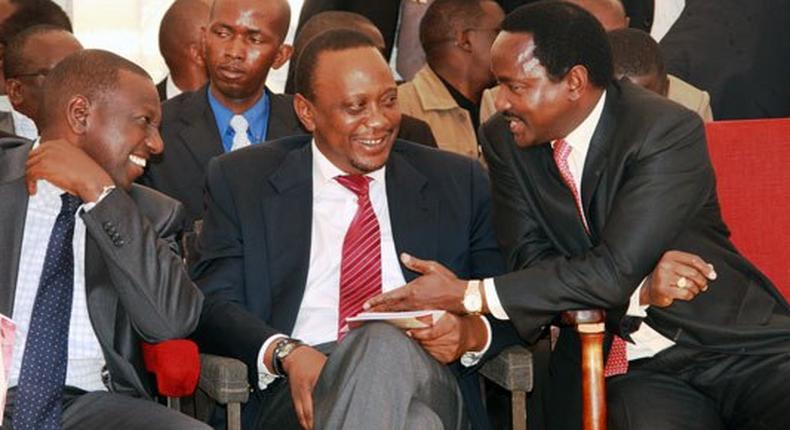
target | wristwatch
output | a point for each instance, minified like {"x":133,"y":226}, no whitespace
{"x":473,"y":298}
{"x":283,"y":349}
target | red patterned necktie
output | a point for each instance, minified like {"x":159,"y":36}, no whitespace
{"x":617,"y":361}
{"x":360,"y":267}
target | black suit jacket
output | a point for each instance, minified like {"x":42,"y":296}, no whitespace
{"x":161,"y":89}
{"x":191,"y":139}
{"x":136,"y":286}
{"x":736,"y":51}
{"x":255,"y":243}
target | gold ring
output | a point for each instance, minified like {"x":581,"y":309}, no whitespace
{"x":683,"y":282}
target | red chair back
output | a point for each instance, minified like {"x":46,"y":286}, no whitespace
{"x":752,"y":163}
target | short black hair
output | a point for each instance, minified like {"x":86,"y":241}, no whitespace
{"x":635,"y":53}
{"x":328,"y":41}
{"x":565,"y":35}
{"x":14,"y":61}
{"x":31,"y":13}
{"x":444,"y":17}
{"x":93,"y":73}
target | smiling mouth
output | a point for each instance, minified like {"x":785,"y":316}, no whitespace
{"x":137,"y":160}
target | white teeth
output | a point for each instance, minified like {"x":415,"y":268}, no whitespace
{"x":140,"y":161}
{"x":371,"y":142}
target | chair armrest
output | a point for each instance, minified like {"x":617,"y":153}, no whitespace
{"x":224,"y":379}
{"x":175,"y":364}
{"x":511,"y":369}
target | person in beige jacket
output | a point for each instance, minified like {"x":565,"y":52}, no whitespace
{"x":446,"y":93}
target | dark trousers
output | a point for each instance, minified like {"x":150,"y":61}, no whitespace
{"x":679,"y":388}
{"x":105,"y":410}
{"x":684,"y":389}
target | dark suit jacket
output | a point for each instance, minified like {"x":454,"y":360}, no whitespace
{"x":737,"y":52}
{"x":161,"y":89}
{"x":647,"y":187}
{"x":137,"y":288}
{"x":255,"y":243}
{"x":191,"y":139}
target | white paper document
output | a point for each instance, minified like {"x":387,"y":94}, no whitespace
{"x":404,"y":320}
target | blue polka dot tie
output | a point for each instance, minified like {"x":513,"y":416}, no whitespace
{"x":43,"y":375}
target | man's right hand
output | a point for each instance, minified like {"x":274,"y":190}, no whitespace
{"x":677,"y":276}
{"x":303,"y":366}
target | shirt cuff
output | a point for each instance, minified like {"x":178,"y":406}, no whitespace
{"x":265,"y":377}
{"x":634,"y":308}
{"x":471,"y":358}
{"x":492,"y":299}
{"x":87,"y":206}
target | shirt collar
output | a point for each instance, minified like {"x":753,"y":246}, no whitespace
{"x":324,"y":172}
{"x":171,"y":90}
{"x":579,"y":139}
{"x":257,"y":117}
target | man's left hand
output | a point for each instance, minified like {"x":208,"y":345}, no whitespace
{"x":437,"y":288}
{"x":451,"y":337}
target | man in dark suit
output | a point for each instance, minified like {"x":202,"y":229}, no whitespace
{"x":278,"y":260}
{"x":89,"y":269}
{"x":718,"y":359}
{"x":243,"y":41}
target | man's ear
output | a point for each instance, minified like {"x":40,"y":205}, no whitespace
{"x":576,"y":80}
{"x":13,"y":88}
{"x":78,"y":111}
{"x":461,"y":40}
{"x":195,"y":51}
{"x":284,"y":53}
{"x":304,"y":110}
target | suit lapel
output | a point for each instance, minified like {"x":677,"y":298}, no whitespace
{"x":413,"y":213}
{"x":596,"y":160}
{"x":287,"y":220}
{"x":555,"y":200}
{"x":13,"y":194}
{"x":199,"y":132}
{"x":282,"y":118}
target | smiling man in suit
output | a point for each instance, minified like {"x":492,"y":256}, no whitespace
{"x":242,"y":42}
{"x":593,"y":180}
{"x":89,"y":268}
{"x":300,"y":231}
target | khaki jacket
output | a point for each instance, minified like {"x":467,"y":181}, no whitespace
{"x":425,"y":97}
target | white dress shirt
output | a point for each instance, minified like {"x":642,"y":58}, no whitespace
{"x":23,"y":126}
{"x":647,"y":342}
{"x":85,"y":356}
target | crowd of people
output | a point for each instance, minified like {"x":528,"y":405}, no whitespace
{"x":499,"y":161}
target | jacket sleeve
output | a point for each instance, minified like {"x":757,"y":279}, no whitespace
{"x":144,"y":265}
